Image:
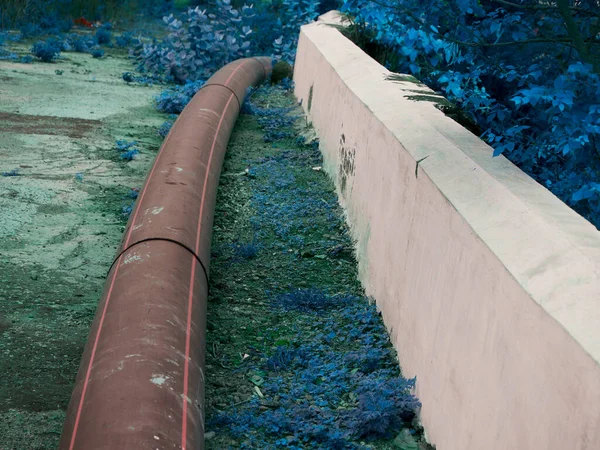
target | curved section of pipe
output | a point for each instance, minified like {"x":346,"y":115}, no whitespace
{"x":140,"y":384}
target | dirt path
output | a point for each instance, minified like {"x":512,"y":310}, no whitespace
{"x":61,"y":220}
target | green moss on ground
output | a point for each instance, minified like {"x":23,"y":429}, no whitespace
{"x":277,"y":228}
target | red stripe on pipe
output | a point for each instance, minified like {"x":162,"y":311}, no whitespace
{"x":190,"y":298}
{"x":87,"y":378}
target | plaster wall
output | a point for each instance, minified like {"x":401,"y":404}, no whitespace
{"x":488,"y":284}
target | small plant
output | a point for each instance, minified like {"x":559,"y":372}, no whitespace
{"x":80,"y":44}
{"x":245,"y":250}
{"x":173,"y":101}
{"x":165,"y":128}
{"x":123,"y":145}
{"x":309,"y":300}
{"x":126,"y":210}
{"x":98,"y":53}
{"x":128,"y":152}
{"x":126,"y":39}
{"x":130,"y":155}
{"x":46,"y":51}
{"x":285,"y":357}
{"x":12,"y":173}
{"x":383,"y":406}
{"x":103,"y":35}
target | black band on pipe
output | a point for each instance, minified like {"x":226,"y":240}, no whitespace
{"x":263,"y":67}
{"x":173,"y":241}
{"x":226,"y":87}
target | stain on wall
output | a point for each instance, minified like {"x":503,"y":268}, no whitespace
{"x":346,"y":167}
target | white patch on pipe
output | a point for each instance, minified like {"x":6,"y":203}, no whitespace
{"x":210,"y":111}
{"x":178,"y":169}
{"x":131,"y":258}
{"x":159,"y":380}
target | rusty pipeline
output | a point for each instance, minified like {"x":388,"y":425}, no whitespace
{"x":140,"y":383}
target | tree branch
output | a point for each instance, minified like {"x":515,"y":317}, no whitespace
{"x":573,"y":30}
{"x":545,"y":7}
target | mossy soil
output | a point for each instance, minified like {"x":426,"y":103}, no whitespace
{"x":278,"y":230}
{"x":61,"y":221}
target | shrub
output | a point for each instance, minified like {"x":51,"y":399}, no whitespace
{"x":12,"y":173}
{"x":529,"y":82}
{"x":97,"y":53}
{"x":165,"y":128}
{"x":81,"y":44}
{"x":103,"y":35}
{"x":199,"y":44}
{"x":285,"y":357}
{"x":123,"y":145}
{"x":246,"y":250}
{"x":205,"y":40}
{"x":126,"y":39}
{"x":173,"y":101}
{"x":383,"y":405}
{"x":130,"y":155}
{"x":46,"y":51}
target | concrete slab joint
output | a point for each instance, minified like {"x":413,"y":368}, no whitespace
{"x":489,"y":285}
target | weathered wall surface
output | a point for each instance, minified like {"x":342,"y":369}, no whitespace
{"x":489,"y":285}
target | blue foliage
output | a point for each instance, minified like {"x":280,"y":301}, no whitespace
{"x":126,"y":39}
{"x":80,"y":43}
{"x":130,"y":155}
{"x":8,"y":56}
{"x":165,"y":128}
{"x":322,"y":401}
{"x":383,"y":405}
{"x":40,"y":23}
{"x":174,"y":100}
{"x":12,"y":173}
{"x":328,"y":348}
{"x":247,"y":250}
{"x":124,"y":145}
{"x":199,"y":44}
{"x":103,"y":35}
{"x":130,"y":77}
{"x":515,"y":71}
{"x":276,"y":122}
{"x":127,"y":149}
{"x":202,"y":41}
{"x":287,"y":84}
{"x":309,"y":300}
{"x":285,"y":357}
{"x":47,"y":51}
{"x":126,"y":210}
{"x":98,"y":53}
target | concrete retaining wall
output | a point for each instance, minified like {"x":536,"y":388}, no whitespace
{"x":489,"y":285}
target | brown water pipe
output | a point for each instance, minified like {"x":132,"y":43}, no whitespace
{"x":140,"y":384}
